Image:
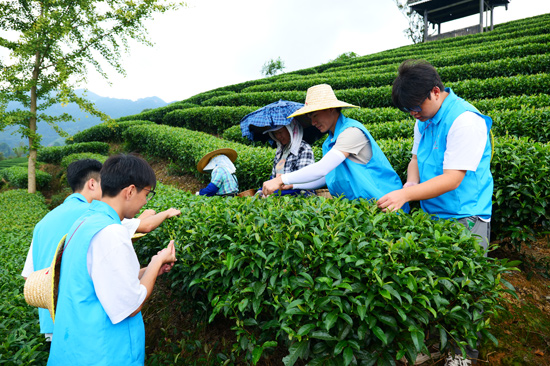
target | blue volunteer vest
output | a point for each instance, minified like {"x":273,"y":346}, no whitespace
{"x":83,"y":332}
{"x":473,"y":196}
{"x":47,"y":234}
{"x":354,"y":180}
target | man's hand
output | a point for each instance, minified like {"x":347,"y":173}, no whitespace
{"x":171,"y":212}
{"x":393,"y":201}
{"x":168,"y":258}
{"x":146,"y":213}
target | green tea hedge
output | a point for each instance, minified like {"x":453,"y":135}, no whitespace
{"x":156,"y":115}
{"x":207,"y":119}
{"x":20,"y":340}
{"x":105,"y":132}
{"x":336,"y":281}
{"x":17,"y":176}
{"x":79,"y":156}
{"x":54,"y":154}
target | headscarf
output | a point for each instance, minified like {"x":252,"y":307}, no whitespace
{"x":220,"y":161}
{"x":296,"y":133}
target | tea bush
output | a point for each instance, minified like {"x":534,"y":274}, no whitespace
{"x":17,"y":176}
{"x":54,"y":154}
{"x":105,"y":132}
{"x":207,"y":119}
{"x":79,"y":156}
{"x":156,"y":115}
{"x":336,"y":281}
{"x":20,"y":340}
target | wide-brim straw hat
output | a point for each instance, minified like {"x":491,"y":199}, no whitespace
{"x":320,"y":97}
{"x":41,"y":287}
{"x":230,"y":153}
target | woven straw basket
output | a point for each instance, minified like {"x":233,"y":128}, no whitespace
{"x":247,"y":193}
{"x":323,"y":193}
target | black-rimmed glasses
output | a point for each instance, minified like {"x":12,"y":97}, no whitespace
{"x":418,"y":108}
{"x":150,"y":194}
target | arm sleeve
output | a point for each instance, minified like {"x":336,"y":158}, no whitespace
{"x":316,"y":184}
{"x":315,"y":171}
{"x":29,"y":265}
{"x":210,"y":190}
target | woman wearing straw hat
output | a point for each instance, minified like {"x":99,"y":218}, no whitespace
{"x":223,"y":181}
{"x":352,"y":165}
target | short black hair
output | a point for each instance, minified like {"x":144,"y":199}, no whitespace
{"x":80,"y":171}
{"x":415,"y":80}
{"x":120,"y":171}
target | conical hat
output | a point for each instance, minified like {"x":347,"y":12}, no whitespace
{"x":320,"y":97}
{"x":42,"y":286}
{"x":230,"y":153}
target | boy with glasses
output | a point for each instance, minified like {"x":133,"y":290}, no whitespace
{"x":102,"y":288}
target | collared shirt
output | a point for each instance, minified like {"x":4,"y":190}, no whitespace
{"x":225,"y":181}
{"x":293,"y":162}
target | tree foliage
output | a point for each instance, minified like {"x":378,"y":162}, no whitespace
{"x":415,"y":31}
{"x":51,"y":46}
{"x":272,"y":67}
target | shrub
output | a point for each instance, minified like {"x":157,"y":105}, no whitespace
{"x":333,"y":280}
{"x":105,"y":132}
{"x":79,"y":156}
{"x":54,"y":154}
{"x":21,"y":342}
{"x":156,"y":115}
{"x":207,"y":119}
{"x":17,"y":176}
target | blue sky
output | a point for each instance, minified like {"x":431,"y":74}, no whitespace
{"x":213,"y":43}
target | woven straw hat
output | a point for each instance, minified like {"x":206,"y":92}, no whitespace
{"x":42,"y":286}
{"x":230,"y":153}
{"x":320,"y":97}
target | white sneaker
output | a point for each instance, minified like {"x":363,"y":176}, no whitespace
{"x":457,"y":360}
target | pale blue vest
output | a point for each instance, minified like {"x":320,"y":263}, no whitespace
{"x":473,"y":196}
{"x":83,"y":333}
{"x":354,"y":180}
{"x":47,"y":234}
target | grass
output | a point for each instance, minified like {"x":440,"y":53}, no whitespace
{"x":6,"y":163}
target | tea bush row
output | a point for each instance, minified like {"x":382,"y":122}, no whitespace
{"x":20,"y":340}
{"x":361,"y":78}
{"x":54,"y":154}
{"x":207,"y":119}
{"x":17,"y":176}
{"x":156,"y":115}
{"x":105,"y":132}
{"x":381,"y":96}
{"x":336,"y":281}
{"x":79,"y":156}
{"x":185,"y":148}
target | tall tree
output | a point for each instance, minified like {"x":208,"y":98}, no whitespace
{"x":415,"y":31}
{"x":272,"y":67}
{"x":51,"y":45}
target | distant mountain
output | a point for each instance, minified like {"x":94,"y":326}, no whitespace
{"x":113,"y":107}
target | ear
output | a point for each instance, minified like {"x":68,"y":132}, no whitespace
{"x":92,"y":184}
{"x":129,"y":192}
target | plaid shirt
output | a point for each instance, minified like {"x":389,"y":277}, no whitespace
{"x":295,"y":162}
{"x":225,"y":181}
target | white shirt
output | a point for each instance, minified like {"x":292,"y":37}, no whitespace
{"x":114,"y":268}
{"x":466,"y":142}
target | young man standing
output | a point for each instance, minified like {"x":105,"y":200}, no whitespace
{"x":102,"y":288}
{"x":449,"y":171}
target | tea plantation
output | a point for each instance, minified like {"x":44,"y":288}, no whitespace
{"x":298,"y":281}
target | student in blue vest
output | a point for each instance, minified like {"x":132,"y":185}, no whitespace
{"x":102,"y":288}
{"x":83,"y":178}
{"x":352,"y":165}
{"x":449,"y":170}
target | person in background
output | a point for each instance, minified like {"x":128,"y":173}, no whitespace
{"x":84,"y":179}
{"x":449,"y":172}
{"x":223,"y":181}
{"x":102,"y":288}
{"x":292,"y":153}
{"x":352,"y":165}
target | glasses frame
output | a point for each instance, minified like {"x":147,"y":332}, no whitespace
{"x":418,"y":108}
{"x":148,"y":197}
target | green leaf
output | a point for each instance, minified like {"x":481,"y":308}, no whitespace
{"x":348,"y":356}
{"x":379,"y":333}
{"x":331,"y":319}
{"x":296,"y":350}
{"x":305,"y":329}
{"x":320,"y":334}
{"x":256,"y":354}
